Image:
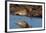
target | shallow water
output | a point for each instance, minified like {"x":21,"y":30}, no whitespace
{"x":34,"y":21}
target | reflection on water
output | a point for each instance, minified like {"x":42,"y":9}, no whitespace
{"x":35,"y":22}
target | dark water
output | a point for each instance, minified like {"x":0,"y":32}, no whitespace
{"x":34,"y":21}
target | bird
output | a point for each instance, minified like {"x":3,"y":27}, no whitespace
{"x":26,"y":10}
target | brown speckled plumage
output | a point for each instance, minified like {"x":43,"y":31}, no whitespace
{"x":26,"y":10}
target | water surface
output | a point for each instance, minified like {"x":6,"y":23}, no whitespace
{"x":34,"y":21}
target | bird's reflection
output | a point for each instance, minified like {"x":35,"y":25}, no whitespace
{"x":23,"y":24}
